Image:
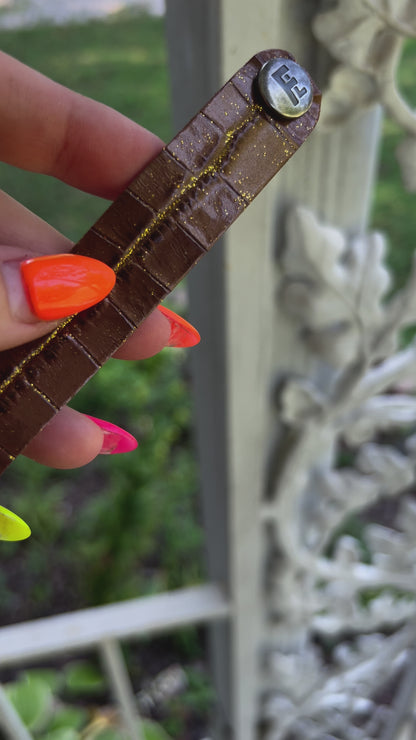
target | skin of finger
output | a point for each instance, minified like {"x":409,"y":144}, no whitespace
{"x":28,"y":232}
{"x":44,"y":127}
{"x":70,"y":440}
{"x":19,"y":227}
{"x":148,"y":339}
{"x":48,"y":128}
{"x":14,"y":331}
{"x":23,"y":235}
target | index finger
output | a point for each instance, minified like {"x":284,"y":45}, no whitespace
{"x":47,"y":128}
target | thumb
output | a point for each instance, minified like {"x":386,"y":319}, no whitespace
{"x":37,"y":291}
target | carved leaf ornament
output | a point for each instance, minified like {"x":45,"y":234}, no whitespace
{"x":367,"y":37}
{"x":339,"y":510}
{"x":341,"y":608}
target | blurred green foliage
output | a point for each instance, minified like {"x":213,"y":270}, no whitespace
{"x":394,"y":209}
{"x":75,"y":703}
{"x":56,"y":705}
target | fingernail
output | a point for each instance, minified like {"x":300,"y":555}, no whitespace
{"x":116,"y":439}
{"x":59,"y":285}
{"x":182,"y":333}
{"x":12,"y":527}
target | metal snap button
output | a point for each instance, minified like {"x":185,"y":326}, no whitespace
{"x":285,"y":87}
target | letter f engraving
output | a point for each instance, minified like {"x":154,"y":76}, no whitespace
{"x":289,"y":84}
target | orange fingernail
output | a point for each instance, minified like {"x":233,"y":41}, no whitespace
{"x":59,"y":285}
{"x":182,"y":333}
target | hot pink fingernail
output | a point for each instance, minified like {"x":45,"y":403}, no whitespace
{"x":116,"y":439}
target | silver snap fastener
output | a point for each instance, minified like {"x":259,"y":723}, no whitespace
{"x":285,"y":87}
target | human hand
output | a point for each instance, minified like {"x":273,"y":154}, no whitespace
{"x":49,"y":129}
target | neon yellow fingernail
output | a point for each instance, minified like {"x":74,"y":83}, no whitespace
{"x":12,"y":527}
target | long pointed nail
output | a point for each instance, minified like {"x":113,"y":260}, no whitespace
{"x":59,"y":285}
{"x":116,"y":439}
{"x":12,"y":527}
{"x":182,"y":333}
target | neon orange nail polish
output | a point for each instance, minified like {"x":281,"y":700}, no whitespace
{"x":182,"y":333}
{"x":59,"y":285}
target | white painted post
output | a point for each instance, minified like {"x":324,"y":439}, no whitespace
{"x":246,"y":339}
{"x":208,"y":42}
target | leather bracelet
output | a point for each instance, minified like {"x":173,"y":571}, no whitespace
{"x":159,"y":227}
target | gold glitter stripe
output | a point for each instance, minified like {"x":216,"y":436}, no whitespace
{"x":190,"y":187}
{"x":18,"y":369}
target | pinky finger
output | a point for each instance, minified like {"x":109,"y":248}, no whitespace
{"x":69,"y":440}
{"x":72,"y":439}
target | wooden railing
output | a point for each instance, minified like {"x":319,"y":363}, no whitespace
{"x":103,"y":628}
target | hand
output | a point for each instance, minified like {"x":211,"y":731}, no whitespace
{"x":49,"y":129}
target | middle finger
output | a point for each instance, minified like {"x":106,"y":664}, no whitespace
{"x":19,"y":227}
